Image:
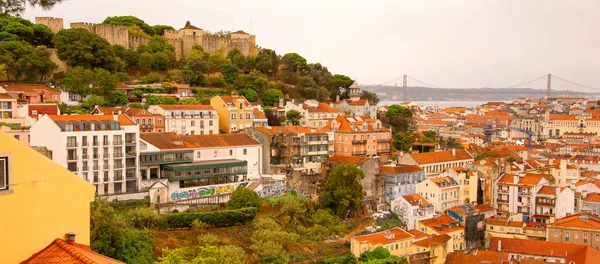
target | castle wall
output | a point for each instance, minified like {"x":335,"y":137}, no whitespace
{"x":136,"y":41}
{"x":188,"y":42}
{"x":88,"y":26}
{"x":213,"y":43}
{"x":178,"y":44}
{"x":114,"y":34}
{"x":170,"y":34}
{"x":62,"y":65}
{"x":55,"y":24}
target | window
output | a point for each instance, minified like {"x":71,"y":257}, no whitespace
{"x":597,"y":237}
{"x":198,"y":154}
{"x":556,"y":233}
{"x":231,"y":152}
{"x":17,"y":137}
{"x":247,"y":115}
{"x":210,"y":123}
{"x":566,"y":236}
{"x":245,"y":151}
{"x":5,"y":173}
{"x":193,"y":123}
{"x":233,"y":116}
{"x":160,"y":121}
{"x":173,"y":123}
{"x":585,"y":238}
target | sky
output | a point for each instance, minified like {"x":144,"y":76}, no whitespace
{"x":445,"y":43}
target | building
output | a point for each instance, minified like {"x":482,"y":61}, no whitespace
{"x":591,"y":203}
{"x":45,"y":201}
{"x":504,"y":227}
{"x":67,"y":251}
{"x":523,"y":249}
{"x":401,"y":179}
{"x":235,"y":113}
{"x":435,"y":163}
{"x":355,"y":105}
{"x":468,"y":181}
{"x":319,"y":114}
{"x":395,"y":240}
{"x":293,"y":148}
{"x":26,"y":93}
{"x":101,"y":149}
{"x":8,"y":106}
{"x":361,"y":136}
{"x":517,"y":193}
{"x":480,"y":256}
{"x":430,"y":249}
{"x":443,"y":192}
{"x":259,"y":119}
{"x":555,"y":202}
{"x":372,"y":183}
{"x":187,"y":119}
{"x":148,"y":122}
{"x":445,"y":225}
{"x":178,"y":168}
{"x":582,"y":228}
{"x":411,"y":209}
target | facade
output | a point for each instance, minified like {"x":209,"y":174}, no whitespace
{"x":361,"y":136}
{"x":235,"y":113}
{"x":411,"y":209}
{"x":582,"y":229}
{"x":395,"y":240}
{"x":544,"y":251}
{"x":443,"y":192}
{"x":186,"y":119}
{"x":505,"y":228}
{"x":148,"y":122}
{"x":435,"y":163}
{"x":517,"y":193}
{"x":591,"y":203}
{"x":31,"y":93}
{"x":177,"y":168}
{"x":31,"y":188}
{"x":445,"y":225}
{"x":556,"y":202}
{"x":8,"y":106}
{"x":355,"y":105}
{"x":401,"y":179}
{"x":319,"y":114}
{"x":101,"y":149}
{"x":259,"y":119}
{"x":467,"y":179}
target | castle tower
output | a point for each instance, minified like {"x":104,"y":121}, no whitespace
{"x":55,"y":24}
{"x":354,"y":92}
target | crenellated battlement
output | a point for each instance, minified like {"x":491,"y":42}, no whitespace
{"x":55,"y":24}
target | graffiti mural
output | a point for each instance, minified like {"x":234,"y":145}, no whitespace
{"x":205,"y":191}
{"x":272,"y":191}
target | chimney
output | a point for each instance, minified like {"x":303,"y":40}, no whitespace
{"x":454,"y":152}
{"x":337,"y":97}
{"x":499,"y":245}
{"x":116,"y":117}
{"x":71,"y":238}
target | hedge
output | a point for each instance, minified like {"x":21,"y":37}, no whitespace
{"x":215,"y":219}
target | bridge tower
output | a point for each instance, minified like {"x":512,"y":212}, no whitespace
{"x":548,"y":85}
{"x":404,"y":88}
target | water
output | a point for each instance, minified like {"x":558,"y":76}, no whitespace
{"x":440,"y":104}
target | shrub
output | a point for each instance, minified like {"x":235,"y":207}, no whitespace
{"x":198,"y":225}
{"x":344,"y":259}
{"x":243,"y":197}
{"x":216,"y":219}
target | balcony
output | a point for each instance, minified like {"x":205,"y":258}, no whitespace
{"x":84,"y":144}
{"x":130,"y":154}
{"x":73,"y":168}
{"x":384,"y":140}
{"x":106,"y":143}
{"x":502,"y":201}
{"x":130,"y":142}
{"x":147,"y":126}
{"x":118,"y":178}
{"x":117,"y":142}
{"x":130,"y":165}
{"x":118,"y":154}
{"x":95,"y":167}
{"x":383,"y":151}
{"x":106,"y":155}
{"x":118,"y":165}
{"x":96,"y":143}
{"x":130,"y":175}
{"x":523,"y":193}
{"x":359,"y":153}
{"x":72,"y":144}
{"x":96,"y":156}
{"x":85,"y":168}
{"x":545,"y":203}
{"x":359,"y":142}
{"x":85,"y":156}
{"x":106,"y":166}
{"x":502,"y":190}
{"x":106,"y":178}
{"x":72,"y":157}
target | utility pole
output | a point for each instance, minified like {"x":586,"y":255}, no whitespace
{"x":404,"y":88}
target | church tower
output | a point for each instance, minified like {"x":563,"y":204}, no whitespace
{"x":354,"y":92}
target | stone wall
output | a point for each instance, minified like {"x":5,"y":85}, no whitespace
{"x":136,"y":41}
{"x":88,"y":26}
{"x":114,"y":34}
{"x":214,"y":43}
{"x":62,"y":65}
{"x":55,"y":24}
{"x":178,"y":45}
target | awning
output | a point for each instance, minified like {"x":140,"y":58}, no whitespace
{"x":209,"y":164}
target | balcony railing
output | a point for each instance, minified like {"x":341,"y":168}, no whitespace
{"x":129,"y":142}
{"x":502,"y":201}
{"x":383,"y":151}
{"x":85,"y":156}
{"x":130,"y":154}
{"x":96,"y":156}
{"x":384,"y":140}
{"x":106,"y":155}
{"x":72,"y":144}
{"x":359,"y":152}
{"x":130,"y":175}
{"x":359,"y":142}
{"x":84,"y":144}
{"x":72,"y":157}
{"x":106,"y":166}
{"x":118,"y":142}
{"x":502,"y":190}
{"x":96,"y":143}
{"x":85,"y":168}
{"x":147,"y":126}
{"x":118,"y":177}
{"x":118,"y":165}
{"x":130,"y":165}
{"x":106,"y":143}
{"x":118,"y":154}
{"x":96,"y":167}
{"x":73,"y":169}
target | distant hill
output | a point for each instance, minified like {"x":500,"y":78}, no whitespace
{"x":467,"y":94}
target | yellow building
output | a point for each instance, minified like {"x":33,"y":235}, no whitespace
{"x":504,"y":228}
{"x":445,"y":225}
{"x":40,"y":200}
{"x":235,"y":113}
{"x":434,"y":248}
{"x":467,"y":180}
{"x":396,"y":240}
{"x":442,"y":192}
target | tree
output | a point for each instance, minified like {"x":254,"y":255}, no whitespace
{"x":93,"y":101}
{"x":160,"y":29}
{"x":295,"y":63}
{"x":80,"y":47}
{"x":271,"y":96}
{"x":370,"y":96}
{"x":403,"y":140}
{"x":194,"y":70}
{"x":20,"y":29}
{"x":78,"y":80}
{"x":254,"y":80}
{"x":293,"y":117}
{"x":343,"y":192}
{"x":130,"y":21}
{"x":267,"y":62}
{"x":16,"y":7}
{"x":151,"y":78}
{"x":344,"y":259}
{"x":399,"y":117}
{"x":340,"y":81}
{"x":175,"y":76}
{"x":130,"y":57}
{"x":216,"y":60}
{"x":243,"y":197}
{"x":250,"y":94}
{"x":380,"y":256}
{"x":145,"y":61}
{"x":104,"y":81}
{"x":229,"y":71}
{"x":237,"y":58}
{"x":118,"y":98}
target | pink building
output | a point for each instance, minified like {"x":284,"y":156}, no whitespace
{"x":361,"y":136}
{"x":19,"y":134}
{"x":31,"y":93}
{"x":8,"y":106}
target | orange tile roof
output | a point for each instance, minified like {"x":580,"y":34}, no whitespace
{"x":438,"y":181}
{"x":380,"y":237}
{"x":484,"y":208}
{"x":547,"y":190}
{"x":273,"y":130}
{"x":169,"y":140}
{"x":417,"y":234}
{"x":413,"y":199}
{"x":360,"y":102}
{"x":123,"y":119}
{"x":321,"y":108}
{"x":582,"y":253}
{"x":356,"y":160}
{"x":444,"y":220}
{"x":400,"y":168}
{"x":6,"y":96}
{"x":441,"y":156}
{"x":259,"y":114}
{"x":191,"y":27}
{"x":177,"y":85}
{"x":232,"y":98}
{"x":60,"y":251}
{"x":186,"y":107}
{"x":433,"y":240}
{"x":480,"y":256}
{"x":28,"y":88}
{"x":576,"y":221}
{"x":563,"y":117}
{"x":592,"y":197}
{"x":307,"y":130}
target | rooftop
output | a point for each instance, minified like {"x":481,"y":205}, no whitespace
{"x":384,"y":237}
{"x":169,"y":140}
{"x":400,"y":168}
{"x":580,"y":254}
{"x":441,"y":156}
{"x":123,"y":120}
{"x":186,"y":107}
{"x":413,"y":199}
{"x":60,"y":251}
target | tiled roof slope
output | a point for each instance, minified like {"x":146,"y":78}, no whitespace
{"x":60,"y":251}
{"x":579,"y":254}
{"x":169,"y":140}
{"x":441,"y":156}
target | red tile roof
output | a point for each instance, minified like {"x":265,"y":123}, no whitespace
{"x":413,"y":199}
{"x":441,"y":156}
{"x":60,"y":251}
{"x":240,"y":32}
{"x":273,"y":130}
{"x":123,"y":119}
{"x":400,"y":168}
{"x":433,"y":240}
{"x":6,"y":96}
{"x":580,"y":254}
{"x":480,"y":256}
{"x":232,"y":98}
{"x":43,"y":109}
{"x":169,"y":140}
{"x":444,"y":220}
{"x":259,"y":114}
{"x":577,"y":221}
{"x":321,"y":108}
{"x":547,"y":190}
{"x":418,"y":234}
{"x":383,"y":237}
{"x":28,"y":88}
{"x":356,"y":160}
{"x":592,"y":197}
{"x":186,"y":107}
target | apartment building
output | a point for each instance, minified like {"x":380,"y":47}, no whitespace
{"x":401,"y":179}
{"x":293,"y":148}
{"x":235,"y":113}
{"x":517,"y":193}
{"x":176,"y":168}
{"x":467,"y":179}
{"x":555,"y":202}
{"x":443,"y":192}
{"x":259,"y":119}
{"x":591,"y":203}
{"x":101,"y":149}
{"x":148,"y":122}
{"x":31,"y":93}
{"x":445,"y":225}
{"x":8,"y":106}
{"x":582,"y":229}
{"x":355,"y":105}
{"x":504,"y":227}
{"x":412,"y":208}
{"x":186,"y":119}
{"x":556,"y":125}
{"x":361,"y":136}
{"x":566,"y":175}
{"x":437,"y":162}
{"x":397,"y":241}
{"x":314,"y":113}
{"x":523,"y":250}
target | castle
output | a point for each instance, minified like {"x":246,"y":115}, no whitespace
{"x":183,"y":40}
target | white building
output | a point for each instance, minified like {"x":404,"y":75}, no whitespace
{"x":188,"y":119}
{"x":101,"y":149}
{"x":554,"y":201}
{"x":442,"y":192}
{"x":178,"y":168}
{"x":411,"y":209}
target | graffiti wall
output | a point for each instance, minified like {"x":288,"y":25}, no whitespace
{"x":272,"y":191}
{"x":197,"y":192}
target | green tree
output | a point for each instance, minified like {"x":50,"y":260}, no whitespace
{"x":380,"y":256}
{"x":118,"y":98}
{"x":237,"y":58}
{"x":243,"y":197}
{"x":343,"y":192}
{"x":403,"y":140}
{"x":145,"y":62}
{"x":151,"y":78}
{"x":250,"y":94}
{"x":216,"y":60}
{"x":340,"y":81}
{"x":135,"y":246}
{"x":295,"y":63}
{"x":267,"y":62}
{"x":194,"y":70}
{"x":160,"y":29}
{"x":104,"y":81}
{"x":161,"y":61}
{"x":229,"y":71}
{"x":80,"y":47}
{"x":23,"y":61}
{"x":344,"y":259}
{"x":399,"y":117}
{"x":293,"y":117}
{"x":271,"y":96}
{"x":130,"y":56}
{"x":253,"y":80}
{"x":370,"y":96}
{"x":16,"y":7}
{"x":20,"y":29}
{"x":130,"y":21}
{"x":93,"y":101}
{"x":78,"y":80}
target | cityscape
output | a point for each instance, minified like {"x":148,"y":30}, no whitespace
{"x":127,"y":142}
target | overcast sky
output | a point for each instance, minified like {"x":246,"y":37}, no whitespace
{"x":449,"y":43}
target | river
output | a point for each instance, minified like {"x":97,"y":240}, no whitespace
{"x":440,"y":104}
